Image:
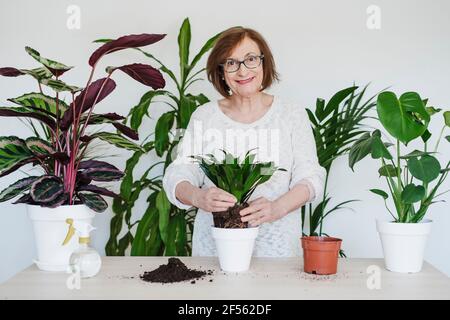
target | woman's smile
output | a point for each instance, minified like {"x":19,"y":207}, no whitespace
{"x":245,"y":81}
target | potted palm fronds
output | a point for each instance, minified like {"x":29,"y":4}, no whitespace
{"x":65,"y":186}
{"x":235,"y":239}
{"x":413,"y":178}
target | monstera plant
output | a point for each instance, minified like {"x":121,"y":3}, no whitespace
{"x":413,"y":178}
{"x":408,"y":175}
{"x":163,"y":229}
{"x":61,"y":130}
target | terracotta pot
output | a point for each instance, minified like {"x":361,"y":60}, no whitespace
{"x":320,"y":254}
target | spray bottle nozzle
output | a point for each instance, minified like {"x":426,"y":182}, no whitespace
{"x":83,"y":230}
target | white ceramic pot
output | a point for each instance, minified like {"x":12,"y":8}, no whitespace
{"x":235,"y":247}
{"x":50,"y":230}
{"x":404,"y":244}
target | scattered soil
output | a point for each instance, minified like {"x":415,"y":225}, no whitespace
{"x":230,"y":218}
{"x":174,"y":271}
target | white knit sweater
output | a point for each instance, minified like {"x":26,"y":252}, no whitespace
{"x":283,"y":135}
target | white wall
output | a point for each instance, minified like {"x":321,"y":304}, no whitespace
{"x":319,"y":46}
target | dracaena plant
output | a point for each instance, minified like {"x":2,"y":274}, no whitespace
{"x":413,"y":178}
{"x":62,"y":136}
{"x":239,"y":178}
{"x":163,"y":229}
{"x":336,"y":125}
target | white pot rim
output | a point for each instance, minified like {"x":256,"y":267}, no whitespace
{"x":420,"y":228}
{"x":78,"y":211}
{"x":235,"y":233}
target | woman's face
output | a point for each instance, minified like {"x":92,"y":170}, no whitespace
{"x":245,"y":82}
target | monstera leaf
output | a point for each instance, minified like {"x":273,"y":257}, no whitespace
{"x":405,"y":118}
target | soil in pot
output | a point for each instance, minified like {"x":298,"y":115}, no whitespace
{"x":320,"y":254}
{"x":174,"y":271}
{"x":230,"y":218}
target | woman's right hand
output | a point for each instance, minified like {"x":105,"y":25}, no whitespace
{"x":213,"y":199}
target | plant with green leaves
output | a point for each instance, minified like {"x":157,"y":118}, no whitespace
{"x":164,"y":229}
{"x":336,"y":125}
{"x":62,"y":139}
{"x":239,"y":178}
{"x":408,"y":176}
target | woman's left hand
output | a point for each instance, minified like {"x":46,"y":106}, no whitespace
{"x":261,"y":210}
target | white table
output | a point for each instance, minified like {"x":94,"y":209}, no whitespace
{"x":268,"y":278}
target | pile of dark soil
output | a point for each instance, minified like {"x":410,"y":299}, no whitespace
{"x":174,"y":271}
{"x":230,"y":218}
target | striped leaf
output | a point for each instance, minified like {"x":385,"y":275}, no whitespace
{"x":98,"y":190}
{"x":116,"y":140}
{"x":39,"y":146}
{"x":103,"y":174}
{"x":56,"y":68}
{"x":17,"y":188}
{"x":46,"y":189}
{"x":60,"y":86}
{"x":39,"y":73}
{"x":93,"y":201}
{"x":41,"y":102}
{"x":13,"y":151}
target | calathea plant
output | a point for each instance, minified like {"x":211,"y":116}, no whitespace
{"x":61,"y":130}
{"x":408,"y":175}
{"x":239,"y":178}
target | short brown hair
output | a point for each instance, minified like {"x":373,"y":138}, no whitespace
{"x":226,"y":42}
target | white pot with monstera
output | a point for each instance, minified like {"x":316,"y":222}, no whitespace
{"x":413,"y":177}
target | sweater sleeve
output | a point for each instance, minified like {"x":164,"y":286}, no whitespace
{"x":183,"y":168}
{"x":306,"y":168}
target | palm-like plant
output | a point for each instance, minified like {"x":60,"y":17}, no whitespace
{"x":238,"y":178}
{"x":336,"y":125}
{"x":164,"y":229}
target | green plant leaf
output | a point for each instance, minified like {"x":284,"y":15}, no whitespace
{"x":59,"y":86}
{"x":116,"y":140}
{"x":46,"y":189}
{"x":447,"y":118}
{"x":412,"y":193}
{"x":17,"y":188}
{"x":379,"y":149}
{"x":425,"y":168}
{"x":380,"y":193}
{"x":360,"y":149}
{"x":162,"y":128}
{"x":56,"y":68}
{"x":13,"y":153}
{"x":187,"y":107}
{"x":206,"y":47}
{"x":39,"y":146}
{"x":405,"y":118}
{"x":432,"y":110}
{"x":39,"y":73}
{"x":39,"y":101}
{"x":141,"y":109}
{"x":93,"y":201}
{"x":388,"y":171}
{"x":163,"y":206}
{"x":184,"y":41}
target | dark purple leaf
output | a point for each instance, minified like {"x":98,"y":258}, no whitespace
{"x":10,"y":112}
{"x":95,"y":164}
{"x":10,"y":72}
{"x":95,"y":93}
{"x":26,"y":198}
{"x":145,"y":74}
{"x":130,"y":41}
{"x":102,"y":118}
{"x":103,"y":174}
{"x":130,"y":133}
{"x":61,"y":157}
{"x":46,"y":189}
{"x":98,"y":190}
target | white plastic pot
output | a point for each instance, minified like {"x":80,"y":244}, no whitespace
{"x":50,"y":230}
{"x":404,"y":244}
{"x":235,"y":247}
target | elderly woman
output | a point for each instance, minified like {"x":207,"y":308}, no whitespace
{"x":241,"y":67}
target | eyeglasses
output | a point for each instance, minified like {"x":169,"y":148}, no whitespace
{"x":233,"y":65}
